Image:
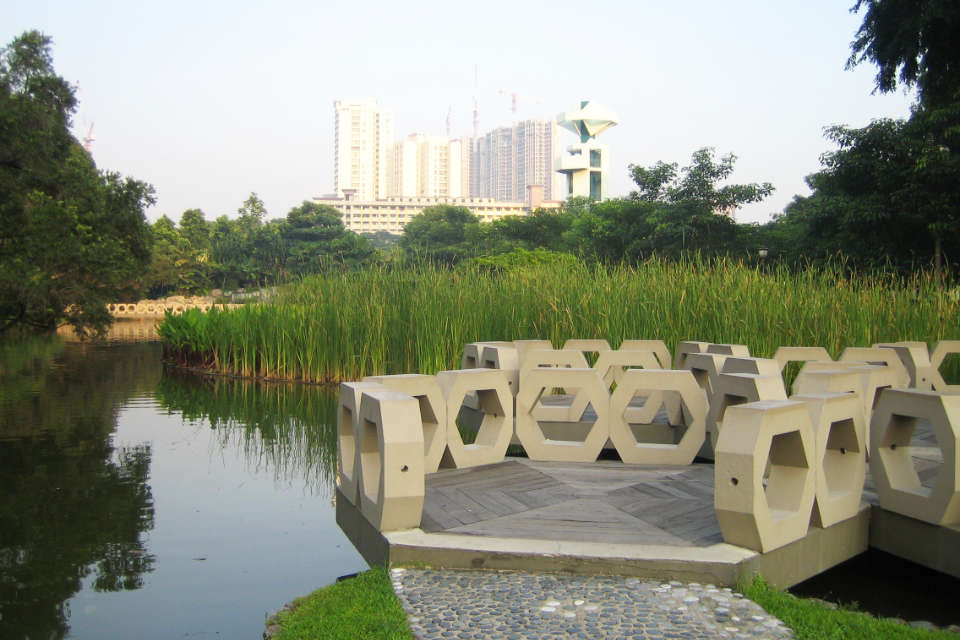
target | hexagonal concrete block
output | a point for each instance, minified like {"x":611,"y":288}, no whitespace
{"x":473,"y":353}
{"x":693,"y":403}
{"x":586,"y":345}
{"x":568,"y":409}
{"x":915,"y":356}
{"x":878,"y":356}
{"x":658,"y":347}
{"x":522,"y":346}
{"x":833,"y":377}
{"x":504,"y":358}
{"x":433,"y":411}
{"x":757,"y":437}
{"x":685,"y":347}
{"x":537,"y":444}
{"x":739,"y":388}
{"x":706,"y":367}
{"x":738,"y":350}
{"x":786,"y":355}
{"x":391,"y":460}
{"x":348,"y":436}
{"x":840,"y":460}
{"x":495,"y":403}
{"x":943,"y":349}
{"x":891,"y":465}
{"x":611,"y":365}
{"x":756,"y":366}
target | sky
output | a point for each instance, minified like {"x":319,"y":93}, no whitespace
{"x":210,"y":101}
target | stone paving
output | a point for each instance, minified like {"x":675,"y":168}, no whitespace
{"x":443,"y":604}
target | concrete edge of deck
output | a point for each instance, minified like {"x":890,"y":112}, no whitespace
{"x":721,"y":564}
{"x":932,"y":546}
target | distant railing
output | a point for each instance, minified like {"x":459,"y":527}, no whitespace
{"x":159,"y":308}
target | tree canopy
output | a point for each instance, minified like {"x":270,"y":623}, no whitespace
{"x":72,"y":238}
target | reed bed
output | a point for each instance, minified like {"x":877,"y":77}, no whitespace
{"x":387,"y":320}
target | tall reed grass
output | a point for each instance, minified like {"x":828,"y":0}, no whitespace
{"x":385,"y":320}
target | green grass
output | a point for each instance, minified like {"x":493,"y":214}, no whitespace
{"x":386,"y":320}
{"x":362,"y":608}
{"x":814,"y":621}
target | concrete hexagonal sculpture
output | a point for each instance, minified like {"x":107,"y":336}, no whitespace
{"x":567,"y":408}
{"x":505,"y":358}
{"x":891,"y":465}
{"x":786,"y":355}
{"x":391,"y":460}
{"x":840,"y":460}
{"x":878,"y":356}
{"x":915,"y":356}
{"x":433,"y":411}
{"x":685,"y":347}
{"x":541,"y":445}
{"x":348,"y":436}
{"x":693,"y":403}
{"x":473,"y":353}
{"x":705,"y":368}
{"x":756,"y":366}
{"x":939,"y":354}
{"x":740,"y":388}
{"x":587,"y":346}
{"x":834,"y":377}
{"x":496,"y":405}
{"x":769,"y":435}
{"x":611,"y":365}
{"x":522,"y":346}
{"x":738,"y":350}
{"x":658,"y":347}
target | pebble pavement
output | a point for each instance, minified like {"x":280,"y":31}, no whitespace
{"x":444,"y":604}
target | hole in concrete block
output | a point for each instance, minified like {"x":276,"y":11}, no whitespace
{"x":569,"y":428}
{"x":734,"y":481}
{"x":950,"y":368}
{"x":404,"y":469}
{"x":729,"y":400}
{"x":370,"y":460}
{"x":490,"y":407}
{"x":431,"y":424}
{"x":925,"y":453}
{"x":841,"y":443}
{"x":348,"y":439}
{"x":788,"y":468}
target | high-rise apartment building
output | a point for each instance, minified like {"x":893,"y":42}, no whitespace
{"x":363,"y":137}
{"x":495,"y":159}
{"x":510,"y":159}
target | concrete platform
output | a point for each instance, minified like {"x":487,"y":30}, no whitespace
{"x":594,"y":518}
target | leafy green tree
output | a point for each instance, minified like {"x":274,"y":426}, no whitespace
{"x":72,"y":238}
{"x":913,"y":43}
{"x":442,"y":233}
{"x":195,"y":230}
{"x":315,"y":240}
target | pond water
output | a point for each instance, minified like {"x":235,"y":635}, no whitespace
{"x":139,"y":501}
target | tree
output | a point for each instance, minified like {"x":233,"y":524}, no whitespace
{"x":889,"y":194}
{"x":912,"y":42}
{"x":315,"y":240}
{"x":72,"y":238}
{"x":442,"y":233}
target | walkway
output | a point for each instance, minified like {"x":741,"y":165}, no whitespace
{"x":491,"y":605}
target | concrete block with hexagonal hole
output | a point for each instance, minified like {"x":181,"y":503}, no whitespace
{"x":566,"y":407}
{"x":391,"y":460}
{"x":587,"y":346}
{"x":658,"y":347}
{"x":840,"y":461}
{"x":538,"y":436}
{"x":738,"y":350}
{"x":756,"y":366}
{"x":740,"y":388}
{"x":765,"y":474}
{"x":938,"y":356}
{"x":473,"y":353}
{"x":915,"y":356}
{"x":686,"y":347}
{"x":878,"y":356}
{"x":522,"y":346}
{"x":688,"y":433}
{"x":504,"y":358}
{"x":786,"y":355}
{"x":348,"y":436}
{"x":705,"y":368}
{"x":496,"y":425}
{"x":611,"y":366}
{"x":891,"y":463}
{"x":433,"y":411}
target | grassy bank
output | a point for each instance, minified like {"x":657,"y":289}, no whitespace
{"x":362,"y":608}
{"x":343,"y":326}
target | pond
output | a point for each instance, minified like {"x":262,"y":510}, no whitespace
{"x":141,"y":501}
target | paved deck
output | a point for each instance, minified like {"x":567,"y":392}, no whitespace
{"x":596,"y":502}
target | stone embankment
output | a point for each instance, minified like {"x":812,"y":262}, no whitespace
{"x":145,"y":309}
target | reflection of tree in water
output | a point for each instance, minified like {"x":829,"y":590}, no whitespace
{"x":71,"y":506}
{"x":288,"y":428}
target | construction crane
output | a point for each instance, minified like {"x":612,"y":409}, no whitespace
{"x":516,"y":97}
{"x":88,"y":139}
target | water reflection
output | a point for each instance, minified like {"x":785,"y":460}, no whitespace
{"x":286,"y":428}
{"x":73,"y":507}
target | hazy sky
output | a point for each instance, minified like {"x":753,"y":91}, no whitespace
{"x":209,"y":101}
